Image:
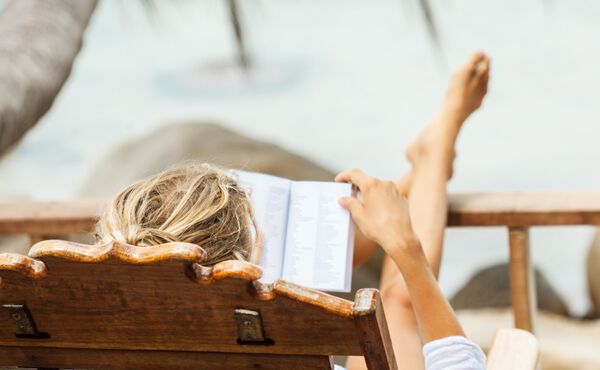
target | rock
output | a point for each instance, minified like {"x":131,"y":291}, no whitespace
{"x":490,"y":287}
{"x":204,"y":142}
{"x":565,"y":343}
{"x":593,"y":273}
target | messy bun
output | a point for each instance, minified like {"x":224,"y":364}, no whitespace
{"x":193,"y":203}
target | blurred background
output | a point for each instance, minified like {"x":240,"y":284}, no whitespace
{"x":343,"y":84}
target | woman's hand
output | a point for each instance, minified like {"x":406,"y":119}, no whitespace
{"x":380,"y":211}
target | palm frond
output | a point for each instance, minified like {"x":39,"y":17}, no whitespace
{"x":236,"y":24}
{"x":429,"y":21}
{"x":149,"y":5}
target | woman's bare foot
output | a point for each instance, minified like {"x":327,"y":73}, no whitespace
{"x":465,"y":94}
{"x":468,"y":86}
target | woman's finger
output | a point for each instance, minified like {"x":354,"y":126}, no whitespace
{"x":354,"y":176}
{"x":353,"y":205}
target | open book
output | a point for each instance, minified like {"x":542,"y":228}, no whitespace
{"x":308,"y":236}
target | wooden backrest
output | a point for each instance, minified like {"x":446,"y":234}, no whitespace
{"x":121,"y":306}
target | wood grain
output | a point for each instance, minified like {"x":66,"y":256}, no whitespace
{"x":513,"y":349}
{"x":23,"y":265}
{"x":49,"y":218}
{"x":38,"y":357}
{"x":326,"y":302}
{"x":375,"y":337}
{"x":524,"y":209}
{"x":119,"y":251}
{"x":174,"y":306}
{"x":224,"y":270}
{"x":522,"y":280}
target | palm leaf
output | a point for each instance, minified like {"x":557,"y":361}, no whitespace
{"x":429,"y":21}
{"x":236,"y":24}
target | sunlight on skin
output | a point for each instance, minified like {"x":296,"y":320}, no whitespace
{"x":416,"y":309}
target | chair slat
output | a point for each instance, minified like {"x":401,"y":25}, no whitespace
{"x":375,"y":340}
{"x":40,"y":357}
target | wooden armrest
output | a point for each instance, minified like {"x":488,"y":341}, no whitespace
{"x":515,"y":209}
{"x":50,"y":218}
{"x":524,"y":209}
{"x":513,"y":349}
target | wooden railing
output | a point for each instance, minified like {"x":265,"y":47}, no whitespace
{"x":516,"y":211}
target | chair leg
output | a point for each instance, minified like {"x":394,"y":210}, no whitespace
{"x":522,"y":280}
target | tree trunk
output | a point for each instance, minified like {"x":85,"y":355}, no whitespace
{"x":39,"y":41}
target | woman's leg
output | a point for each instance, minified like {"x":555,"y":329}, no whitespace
{"x":431,"y":155}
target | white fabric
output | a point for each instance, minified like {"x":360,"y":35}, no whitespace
{"x":451,"y":353}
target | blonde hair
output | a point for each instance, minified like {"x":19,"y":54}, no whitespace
{"x":193,"y":203}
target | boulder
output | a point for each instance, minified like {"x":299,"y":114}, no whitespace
{"x":490,"y":287}
{"x":206,"y":142}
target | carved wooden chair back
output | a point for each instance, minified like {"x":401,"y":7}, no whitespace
{"x":118,"y":306}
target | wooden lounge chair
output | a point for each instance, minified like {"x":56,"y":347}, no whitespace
{"x":117,"y":306}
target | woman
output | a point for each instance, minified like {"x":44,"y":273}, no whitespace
{"x":204,"y":205}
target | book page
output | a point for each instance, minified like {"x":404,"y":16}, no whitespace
{"x":270,"y":197}
{"x":320,"y":237}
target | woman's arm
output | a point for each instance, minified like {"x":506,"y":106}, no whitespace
{"x":381,"y":213}
{"x":434,"y":315}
